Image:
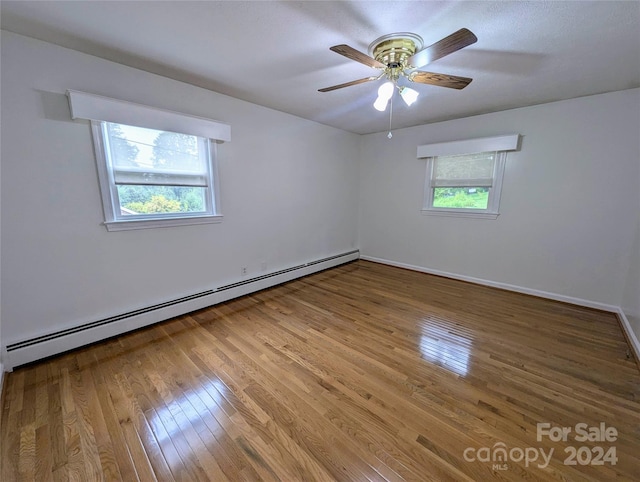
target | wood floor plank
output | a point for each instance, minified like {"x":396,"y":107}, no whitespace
{"x":59,"y":454}
{"x":27,"y":461}
{"x":147,"y":437}
{"x":72,"y":444}
{"x":103,"y":383}
{"x":361,"y":372}
{"x":95,"y":417}
{"x":10,"y":441}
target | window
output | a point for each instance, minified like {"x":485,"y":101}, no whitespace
{"x":463,"y":184}
{"x":466,"y":183}
{"x":149,"y":174}
{"x":156,"y":168}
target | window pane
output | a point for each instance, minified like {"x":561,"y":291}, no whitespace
{"x":142,"y":199}
{"x":461,"y":197}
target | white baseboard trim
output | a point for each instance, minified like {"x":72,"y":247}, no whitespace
{"x":496,"y":284}
{"x":631,"y":335}
{"x":50,"y":344}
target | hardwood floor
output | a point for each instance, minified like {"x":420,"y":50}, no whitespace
{"x":362,"y":372}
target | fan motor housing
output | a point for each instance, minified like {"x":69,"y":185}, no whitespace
{"x":394,"y":49}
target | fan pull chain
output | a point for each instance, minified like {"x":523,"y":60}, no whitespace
{"x":390,"y":135}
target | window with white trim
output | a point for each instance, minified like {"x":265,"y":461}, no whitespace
{"x":155,"y":167}
{"x":465,"y":184}
{"x":469,"y":183}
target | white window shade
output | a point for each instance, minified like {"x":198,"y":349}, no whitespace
{"x":171,"y":159}
{"x":464,"y":171}
{"x":99,"y":108}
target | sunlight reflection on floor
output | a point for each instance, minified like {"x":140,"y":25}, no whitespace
{"x":445,"y":349}
{"x":199,"y":409}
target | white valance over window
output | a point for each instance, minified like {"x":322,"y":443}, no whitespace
{"x":99,"y":108}
{"x":470,"y":146}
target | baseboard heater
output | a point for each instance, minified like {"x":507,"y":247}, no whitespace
{"x":50,"y":344}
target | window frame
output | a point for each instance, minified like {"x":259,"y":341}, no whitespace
{"x":493,"y":203}
{"x":114,"y":221}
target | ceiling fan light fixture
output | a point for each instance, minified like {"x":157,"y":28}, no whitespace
{"x":385,"y":91}
{"x":408,"y":95}
{"x":381,"y":104}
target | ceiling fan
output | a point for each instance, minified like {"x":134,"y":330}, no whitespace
{"x":398,"y":55}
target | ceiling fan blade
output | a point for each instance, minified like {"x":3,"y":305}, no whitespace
{"x":441,"y":80}
{"x":454,"y":42}
{"x":347,"y":84}
{"x":354,"y":54}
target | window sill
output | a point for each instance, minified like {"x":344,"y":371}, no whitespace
{"x":127,"y":225}
{"x":459,"y":214}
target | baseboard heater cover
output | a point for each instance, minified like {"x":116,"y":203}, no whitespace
{"x":86,"y":326}
{"x":43,"y":346}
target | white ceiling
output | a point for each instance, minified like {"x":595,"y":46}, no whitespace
{"x":276,"y":53}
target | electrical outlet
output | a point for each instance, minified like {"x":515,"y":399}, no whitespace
{"x":243,"y":271}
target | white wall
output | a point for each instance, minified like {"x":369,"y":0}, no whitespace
{"x":287,"y":188}
{"x":569,"y":200}
{"x":1,"y":345}
{"x":631,"y":298}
